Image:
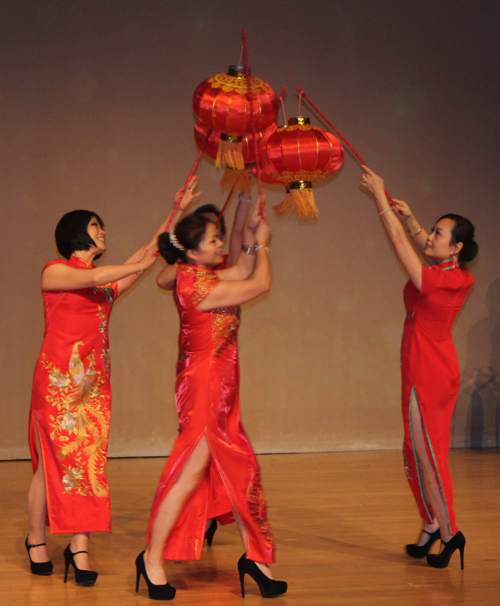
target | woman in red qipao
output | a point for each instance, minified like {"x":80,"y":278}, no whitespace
{"x":70,"y":406}
{"x":166,"y":280}
{"x":212,"y":454}
{"x":430,"y":373}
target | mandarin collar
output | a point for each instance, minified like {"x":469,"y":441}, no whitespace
{"x":80,"y":263}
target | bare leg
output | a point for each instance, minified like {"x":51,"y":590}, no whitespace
{"x":80,"y":542}
{"x":431,"y":489}
{"x":169,"y":510}
{"x":37,"y":508}
{"x":243,"y":534}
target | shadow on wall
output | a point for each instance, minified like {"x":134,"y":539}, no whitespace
{"x":476,"y":422}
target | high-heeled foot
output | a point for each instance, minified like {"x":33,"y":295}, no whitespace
{"x":269,"y":588}
{"x":441,"y":560}
{"x":84,"y":578}
{"x":420,"y":551}
{"x":156,"y":592}
{"x":209,"y":534}
{"x":40,"y":568}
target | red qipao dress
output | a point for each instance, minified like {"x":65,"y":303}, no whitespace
{"x":207,"y":396}
{"x":71,"y":402}
{"x":431,"y":375}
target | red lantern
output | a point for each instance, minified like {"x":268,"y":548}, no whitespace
{"x":221,"y":103}
{"x":231,"y":176}
{"x":296,"y":155}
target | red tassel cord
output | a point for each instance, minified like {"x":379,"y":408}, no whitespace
{"x":302,"y":94}
{"x":254,"y":134}
{"x":183,"y":191}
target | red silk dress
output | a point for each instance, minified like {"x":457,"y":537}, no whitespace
{"x":431,"y":375}
{"x":71,"y":402}
{"x":207,"y":396}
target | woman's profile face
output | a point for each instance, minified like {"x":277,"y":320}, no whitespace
{"x":438,"y":246}
{"x":214,"y":218}
{"x":209,"y":252}
{"x":96,"y":232}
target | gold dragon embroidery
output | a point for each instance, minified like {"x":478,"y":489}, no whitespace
{"x":80,"y":426}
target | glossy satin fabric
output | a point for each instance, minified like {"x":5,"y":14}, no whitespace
{"x":221,"y":103}
{"x":207,"y":396}
{"x":71,"y":402}
{"x":431,"y":374}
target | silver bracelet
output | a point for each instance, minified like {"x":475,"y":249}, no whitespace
{"x":249,"y":249}
{"x":386,"y":210}
{"x":416,"y":233}
{"x":262,"y":246}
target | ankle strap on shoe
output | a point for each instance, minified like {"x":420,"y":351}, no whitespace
{"x":77,"y":552}
{"x":38,"y":545}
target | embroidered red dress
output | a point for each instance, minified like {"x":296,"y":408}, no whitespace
{"x":71,"y":402}
{"x":207,"y":396}
{"x":431,"y":374}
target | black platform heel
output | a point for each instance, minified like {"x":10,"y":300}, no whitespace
{"x":84,"y":578}
{"x":41,"y":568}
{"x":156,"y":592}
{"x":441,"y":560}
{"x":420,"y":551}
{"x":209,"y":534}
{"x":269,"y":588}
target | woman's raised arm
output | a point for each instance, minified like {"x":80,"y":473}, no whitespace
{"x":395,"y":232}
{"x":228,"y":293}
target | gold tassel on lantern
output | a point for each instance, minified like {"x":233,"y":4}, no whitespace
{"x":238,"y":178}
{"x":299,"y":200}
{"x":230,"y":152}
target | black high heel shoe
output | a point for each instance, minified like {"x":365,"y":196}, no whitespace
{"x":420,"y":551}
{"x":269,"y":588}
{"x":209,"y":534}
{"x":441,"y":560}
{"x":40,"y":568}
{"x":84,"y":578}
{"x":156,"y":592}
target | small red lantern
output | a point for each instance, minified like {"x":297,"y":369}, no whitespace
{"x":231,"y":176}
{"x":222,"y":104}
{"x":296,"y":155}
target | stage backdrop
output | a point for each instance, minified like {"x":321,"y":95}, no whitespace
{"x":96,"y":113}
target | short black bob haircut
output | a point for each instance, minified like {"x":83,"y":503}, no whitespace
{"x":211,"y":209}
{"x":71,"y":232}
{"x":463,"y":231}
{"x":189,"y":232}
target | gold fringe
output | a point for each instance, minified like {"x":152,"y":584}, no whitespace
{"x":235,"y":177}
{"x":300,"y":202}
{"x":230,"y":155}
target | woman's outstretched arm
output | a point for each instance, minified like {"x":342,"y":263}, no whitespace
{"x":188,"y":197}
{"x":393,"y":228}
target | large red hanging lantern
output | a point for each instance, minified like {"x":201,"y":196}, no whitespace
{"x":231,"y":176}
{"x":295,"y":156}
{"x":222,"y":104}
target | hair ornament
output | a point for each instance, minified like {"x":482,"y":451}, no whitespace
{"x":173,"y":240}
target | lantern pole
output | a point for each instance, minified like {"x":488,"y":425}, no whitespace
{"x":183,"y":190}
{"x":302,"y":94}
{"x":254,"y":135}
{"x":225,"y":206}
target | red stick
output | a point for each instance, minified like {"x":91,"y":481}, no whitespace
{"x":254,"y":134}
{"x":225,"y":206}
{"x":302,"y":94}
{"x":183,"y":191}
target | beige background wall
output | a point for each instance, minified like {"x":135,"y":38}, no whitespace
{"x":95,"y":99}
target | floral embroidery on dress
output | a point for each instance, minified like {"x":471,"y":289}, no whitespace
{"x":257,"y":507}
{"x":205,"y":281}
{"x":80,"y":425}
{"x":225,"y":322}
